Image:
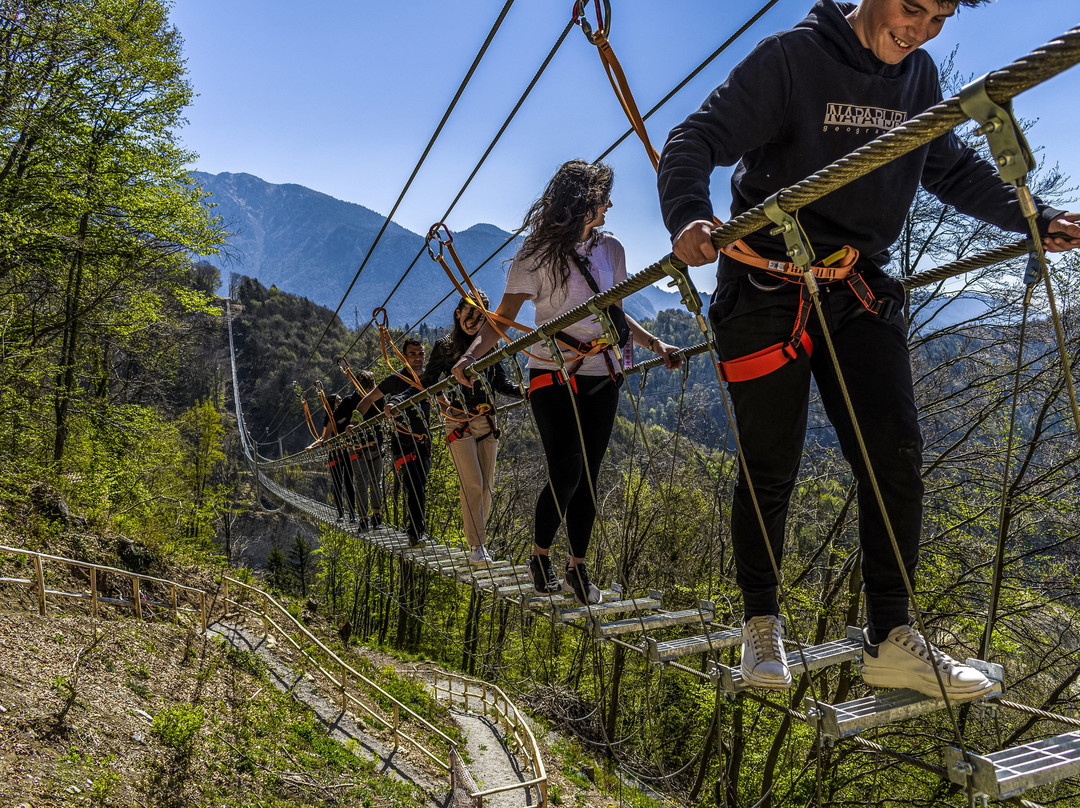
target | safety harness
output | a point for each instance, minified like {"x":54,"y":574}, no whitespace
{"x":838,"y":267}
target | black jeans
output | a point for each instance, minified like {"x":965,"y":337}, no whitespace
{"x":571,"y":494}
{"x":341,"y":475}
{"x":771,"y":413}
{"x":412,"y":460}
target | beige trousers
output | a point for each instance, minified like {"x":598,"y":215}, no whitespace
{"x":474,"y":458}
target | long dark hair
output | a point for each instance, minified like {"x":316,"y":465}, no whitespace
{"x":458,"y":338}
{"x":557,"y":219}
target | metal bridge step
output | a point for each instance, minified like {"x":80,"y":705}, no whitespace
{"x":705,"y":613}
{"x":610,"y":607}
{"x":487,"y":576}
{"x":852,"y":717}
{"x":660,"y":652}
{"x":1010,"y":772}
{"x":507,"y":576}
{"x":730,"y":680}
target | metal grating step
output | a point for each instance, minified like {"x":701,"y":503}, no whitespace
{"x":1010,"y":772}
{"x":730,"y":680}
{"x":611,"y":607}
{"x":661,"y":652}
{"x":488,"y":575}
{"x":705,"y":613}
{"x":852,"y":717}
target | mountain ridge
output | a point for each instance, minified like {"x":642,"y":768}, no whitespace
{"x":311,"y":244}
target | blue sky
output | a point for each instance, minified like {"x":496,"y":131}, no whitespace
{"x":342,"y":95}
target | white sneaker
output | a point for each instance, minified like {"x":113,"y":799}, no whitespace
{"x":903,"y":660}
{"x":763,"y":661}
{"x":477,"y":556}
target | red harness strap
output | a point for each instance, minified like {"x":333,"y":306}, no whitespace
{"x":401,"y":461}
{"x":458,"y":433}
{"x":547,"y":379}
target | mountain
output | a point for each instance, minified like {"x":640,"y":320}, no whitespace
{"x":311,"y":244}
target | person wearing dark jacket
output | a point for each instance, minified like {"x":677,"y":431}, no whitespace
{"x":366,"y":446}
{"x":802,"y":99}
{"x":410,"y":440}
{"x":472,"y":433}
{"x":339,"y":459}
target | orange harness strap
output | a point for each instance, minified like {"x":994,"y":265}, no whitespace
{"x":384,"y":340}
{"x":836,"y":267}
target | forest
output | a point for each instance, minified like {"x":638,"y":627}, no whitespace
{"x":118,"y":430}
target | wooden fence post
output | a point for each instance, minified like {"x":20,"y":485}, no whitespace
{"x":397,"y":718}
{"x":202,"y":609}
{"x":40,"y":584}
{"x":93,"y":592}
{"x":137,"y":598}
{"x":344,"y":696}
{"x":175,"y":613}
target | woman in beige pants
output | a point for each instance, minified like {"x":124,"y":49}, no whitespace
{"x":472,"y":432}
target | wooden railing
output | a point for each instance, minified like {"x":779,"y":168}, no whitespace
{"x":138,"y":601}
{"x":495,"y":702}
{"x":267,"y":604}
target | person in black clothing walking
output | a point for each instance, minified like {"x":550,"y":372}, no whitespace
{"x":410,"y":440}
{"x":472,"y":433}
{"x":366,"y":452}
{"x":340,"y":459}
{"x":801,"y":100}
{"x":566,"y":259}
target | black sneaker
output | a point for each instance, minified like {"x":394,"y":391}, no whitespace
{"x":544,"y":579}
{"x":577,"y":580}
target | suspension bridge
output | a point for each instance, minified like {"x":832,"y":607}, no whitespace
{"x":694,"y":639}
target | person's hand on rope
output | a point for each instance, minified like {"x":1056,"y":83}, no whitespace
{"x":693,"y":244}
{"x":458,"y":370}
{"x":669,"y":353}
{"x":1063,"y":234}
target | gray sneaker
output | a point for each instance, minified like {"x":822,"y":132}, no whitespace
{"x":763,"y":662}
{"x":904,"y":660}
{"x":477,"y":556}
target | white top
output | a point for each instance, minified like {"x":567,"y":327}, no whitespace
{"x":607,"y":264}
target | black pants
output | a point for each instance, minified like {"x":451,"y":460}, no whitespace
{"x":771,"y":413}
{"x":341,"y":475}
{"x":412,"y":460}
{"x":570,"y":492}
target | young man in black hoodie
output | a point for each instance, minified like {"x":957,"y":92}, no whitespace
{"x":802,"y":99}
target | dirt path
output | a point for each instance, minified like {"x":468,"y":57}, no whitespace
{"x":493,"y":764}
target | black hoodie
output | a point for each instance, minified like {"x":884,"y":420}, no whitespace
{"x":802,"y":99}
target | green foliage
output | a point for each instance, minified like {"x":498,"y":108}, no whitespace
{"x":177,"y":726}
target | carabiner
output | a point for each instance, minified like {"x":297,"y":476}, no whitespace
{"x":433,"y":233}
{"x":602,"y":30}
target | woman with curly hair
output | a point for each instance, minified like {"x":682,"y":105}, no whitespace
{"x":564,"y":261}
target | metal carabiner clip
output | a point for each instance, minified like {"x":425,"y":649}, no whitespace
{"x":602,"y":29}
{"x":433,"y":233}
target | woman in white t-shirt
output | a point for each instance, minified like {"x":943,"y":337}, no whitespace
{"x":574,"y":419}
